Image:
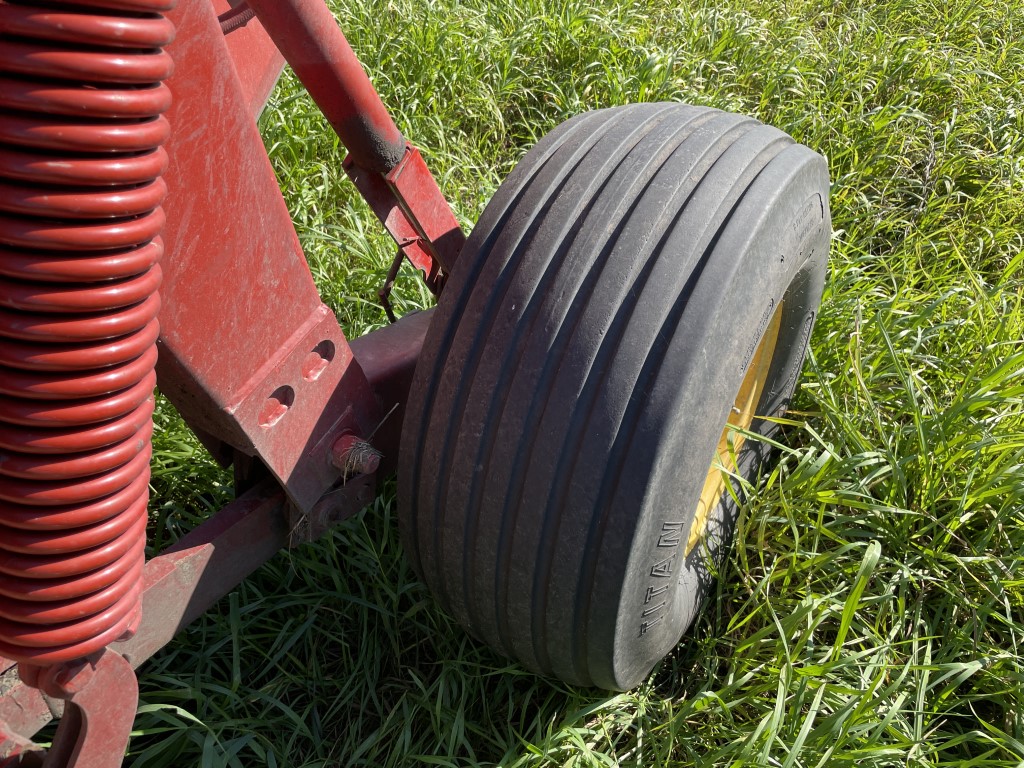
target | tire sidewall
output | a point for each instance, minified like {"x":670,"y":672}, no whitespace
{"x":767,"y":257}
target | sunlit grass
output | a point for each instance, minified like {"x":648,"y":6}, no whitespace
{"x":872,"y":613}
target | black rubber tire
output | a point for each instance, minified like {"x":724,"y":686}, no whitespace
{"x":580,"y":368}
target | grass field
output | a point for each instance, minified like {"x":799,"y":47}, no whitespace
{"x":872,"y":612}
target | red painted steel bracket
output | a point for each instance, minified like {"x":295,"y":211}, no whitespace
{"x":101,"y":695}
{"x":248,"y":352}
{"x":408,"y":202}
{"x":258,"y":63}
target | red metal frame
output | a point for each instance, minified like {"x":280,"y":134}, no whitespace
{"x":248,"y":353}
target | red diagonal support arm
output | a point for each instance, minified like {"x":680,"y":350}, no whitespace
{"x":388,"y":171}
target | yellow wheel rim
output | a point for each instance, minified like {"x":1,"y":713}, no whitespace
{"x":740,"y":417}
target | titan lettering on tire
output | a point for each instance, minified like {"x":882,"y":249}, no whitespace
{"x":645,"y":278}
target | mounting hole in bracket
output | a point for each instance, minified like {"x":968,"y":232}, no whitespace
{"x":277,"y":405}
{"x":318,"y":360}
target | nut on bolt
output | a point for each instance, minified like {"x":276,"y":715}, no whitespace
{"x":354,"y":456}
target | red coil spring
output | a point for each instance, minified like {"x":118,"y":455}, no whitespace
{"x":81,"y":97}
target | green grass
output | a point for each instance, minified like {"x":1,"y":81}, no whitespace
{"x":872,"y":612}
